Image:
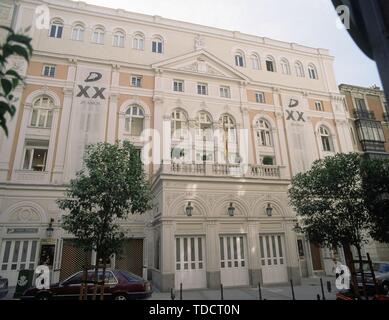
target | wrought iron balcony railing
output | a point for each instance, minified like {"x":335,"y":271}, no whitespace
{"x":364,"y":114}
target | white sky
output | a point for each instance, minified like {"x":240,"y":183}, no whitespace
{"x":307,"y":22}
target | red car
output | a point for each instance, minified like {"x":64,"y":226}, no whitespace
{"x":119,"y":285}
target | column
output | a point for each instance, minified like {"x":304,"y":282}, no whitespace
{"x":112,"y":118}
{"x":167,"y":256}
{"x":213,"y":256}
{"x":255,"y":274}
{"x":63,"y":135}
{"x":293,"y":266}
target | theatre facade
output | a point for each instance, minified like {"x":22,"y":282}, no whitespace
{"x":225,"y":119}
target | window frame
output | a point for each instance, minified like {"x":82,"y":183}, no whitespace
{"x":319,"y":106}
{"x":100,"y":32}
{"x":326,"y":137}
{"x":260,"y":94}
{"x":50,"y":73}
{"x":32,"y":149}
{"x":80,"y":32}
{"x":225,"y":92}
{"x":271,"y":60}
{"x":157,"y":45}
{"x":118,"y":39}
{"x":128,"y":119}
{"x":181,"y":82}
{"x":59,"y":28}
{"x":200,"y":86}
{"x":39,"y":109}
{"x":312,"y":72}
{"x":136,"y":42}
{"x":138,"y":82}
{"x":239,"y":60}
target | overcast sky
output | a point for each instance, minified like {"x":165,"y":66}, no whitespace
{"x":307,"y":22}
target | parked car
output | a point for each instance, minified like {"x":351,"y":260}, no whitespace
{"x":119,"y":285}
{"x":3,"y":287}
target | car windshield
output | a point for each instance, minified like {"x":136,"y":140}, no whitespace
{"x":130,"y":276}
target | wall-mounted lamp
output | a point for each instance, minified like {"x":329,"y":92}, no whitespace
{"x":189,"y":209}
{"x":297,"y":228}
{"x":50,"y":229}
{"x":231,"y":210}
{"x":269,"y":210}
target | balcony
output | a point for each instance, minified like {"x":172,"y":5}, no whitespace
{"x":224,"y":170}
{"x":386,"y":116}
{"x":364,"y":114}
{"x":373,"y":146}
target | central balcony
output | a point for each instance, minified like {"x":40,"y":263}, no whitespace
{"x":224,"y":170}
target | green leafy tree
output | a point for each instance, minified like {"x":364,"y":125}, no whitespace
{"x":111,"y":186}
{"x":15,"y":45}
{"x":329,"y":200}
{"x":375,"y":180}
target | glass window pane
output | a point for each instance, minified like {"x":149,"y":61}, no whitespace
{"x":261,"y":247}
{"x":192,"y":249}
{"x":185,"y":249}
{"x":39,"y":159}
{"x":136,"y":126}
{"x":235,"y":247}
{"x":27,"y":158}
{"x":200,"y":249}
{"x":228,"y":248}
{"x":34,"y":117}
{"x":49,"y":119}
{"x":6,"y":251}
{"x":280,"y":246}
{"x":33,"y":251}
{"x":24,"y":251}
{"x":178,"y":251}
{"x":241,"y":247}
{"x":221,"y":248}
{"x":15,"y":256}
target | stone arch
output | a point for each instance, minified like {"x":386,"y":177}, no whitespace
{"x":43,"y":92}
{"x":179,"y":204}
{"x":25,"y":212}
{"x":241,"y":208}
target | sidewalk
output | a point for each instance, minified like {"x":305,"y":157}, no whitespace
{"x":308,"y":290}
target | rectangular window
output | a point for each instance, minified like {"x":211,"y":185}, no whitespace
{"x":225,"y":92}
{"x":260,"y":97}
{"x":360,"y":104}
{"x":56,"y":31}
{"x":319,"y":106}
{"x":178,"y":85}
{"x":157,"y":47}
{"x":136,"y":81}
{"x":35,"y":155}
{"x":270,"y":66}
{"x":202,"y":88}
{"x":49,"y":71}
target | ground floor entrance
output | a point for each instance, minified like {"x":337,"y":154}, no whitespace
{"x":272,"y":258}
{"x":233,"y":261}
{"x":190,"y":262}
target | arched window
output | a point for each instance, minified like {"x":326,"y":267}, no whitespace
{"x":285,"y":68}
{"x":326,"y":139}
{"x":56,"y":28}
{"x":204,"y":138}
{"x":98,"y":35}
{"x":299,"y":69}
{"x":138,"y":41}
{"x":78,"y":32}
{"x":230,"y":147}
{"x":157,"y":44}
{"x":270,"y":64}
{"x":255,"y":62}
{"x":134,"y":120}
{"x":263,"y":133}
{"x":179,"y":124}
{"x":312,"y":72}
{"x":42,"y":112}
{"x":239,"y":59}
{"x":118,"y":39}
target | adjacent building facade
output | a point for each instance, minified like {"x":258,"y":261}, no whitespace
{"x":225,"y":118}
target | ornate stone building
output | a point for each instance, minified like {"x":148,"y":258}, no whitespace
{"x":238,"y":116}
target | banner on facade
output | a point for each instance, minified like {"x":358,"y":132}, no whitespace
{"x":89,"y":111}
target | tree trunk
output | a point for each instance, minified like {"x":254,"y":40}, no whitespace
{"x":96,"y":280}
{"x":361,"y":271}
{"x":103,"y":281}
{"x":350,"y":264}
